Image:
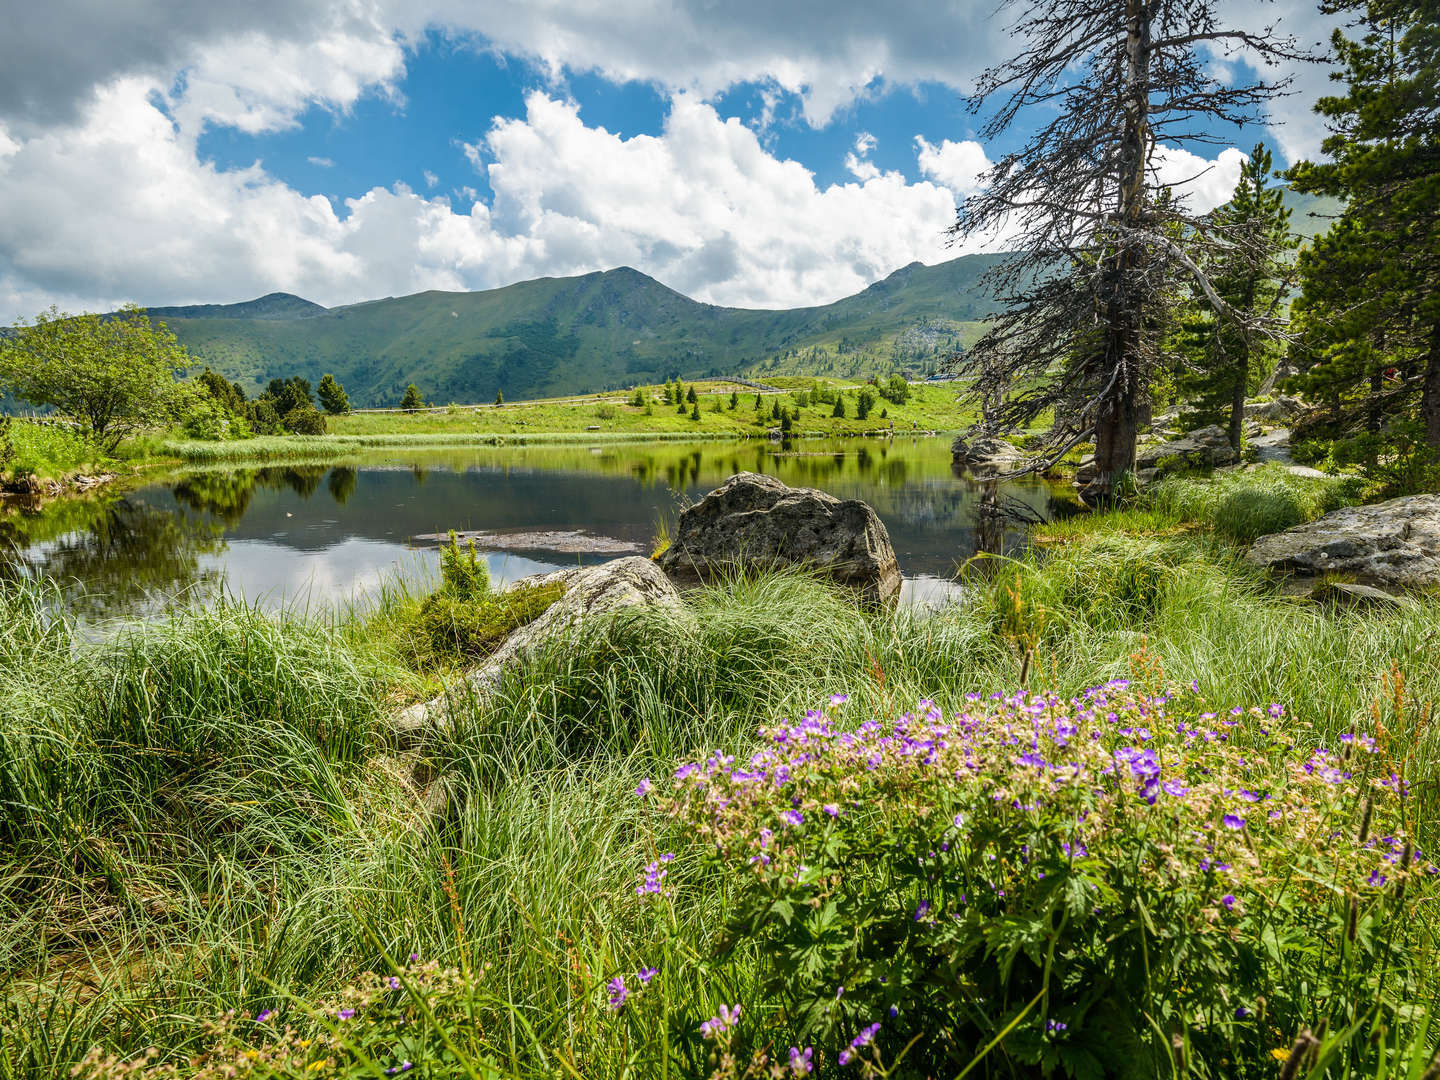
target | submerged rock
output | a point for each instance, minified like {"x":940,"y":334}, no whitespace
{"x":755,"y":522}
{"x":1391,"y":544}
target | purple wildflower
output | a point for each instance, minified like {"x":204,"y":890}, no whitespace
{"x":404,"y":1066}
{"x":393,"y":983}
{"x":802,"y":1061}
{"x":263,"y":1015}
{"x":831,"y":809}
{"x":1376,"y":879}
{"x":1229,"y":901}
{"x":1233,"y":821}
{"x":345,"y":1014}
{"x":793,"y":817}
{"x":718,"y":1025}
{"x":618,"y":993}
{"x":646,"y":974}
{"x":643,"y":788}
{"x":922,"y":910}
{"x":839,"y":699}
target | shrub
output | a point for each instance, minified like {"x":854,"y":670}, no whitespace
{"x":606,"y":411}
{"x":463,"y":574}
{"x":459,"y":628}
{"x":304,"y":420}
{"x":1118,"y":884}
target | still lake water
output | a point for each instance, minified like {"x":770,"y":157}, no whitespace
{"x":310,"y":536}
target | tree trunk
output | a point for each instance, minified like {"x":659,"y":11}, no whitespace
{"x":1237,"y":401}
{"x":1117,"y":424}
{"x":1430,"y":392}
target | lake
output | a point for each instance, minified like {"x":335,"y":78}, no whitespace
{"x":316,"y":536}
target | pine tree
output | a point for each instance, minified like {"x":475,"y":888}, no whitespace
{"x":1223,"y":360}
{"x":333,"y":398}
{"x":499,"y":397}
{"x":1369,"y":310}
{"x":691,"y":396}
{"x":412,"y":400}
{"x":695,"y":411}
{"x":839,"y":410}
{"x":734,"y":400}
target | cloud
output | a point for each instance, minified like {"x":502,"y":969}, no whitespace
{"x":431,"y":179}
{"x":957,"y":165}
{"x":864,"y":143}
{"x":321,"y":162}
{"x":703,"y":206}
{"x":1204,"y":184}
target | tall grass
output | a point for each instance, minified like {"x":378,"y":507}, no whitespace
{"x":203,"y":814}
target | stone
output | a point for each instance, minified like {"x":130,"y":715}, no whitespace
{"x":986,"y":455}
{"x":1277,"y":408}
{"x":1393,"y":544}
{"x":1204,"y":447}
{"x":591,"y":593}
{"x":755,"y":522}
{"x":1350,"y":595}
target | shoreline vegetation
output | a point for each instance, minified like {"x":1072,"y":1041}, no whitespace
{"x":48,"y":450}
{"x":208,"y":837}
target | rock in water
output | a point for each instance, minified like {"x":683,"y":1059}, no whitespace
{"x":986,"y":455}
{"x":590,"y":592}
{"x":755,"y":522}
{"x":1395,"y":543}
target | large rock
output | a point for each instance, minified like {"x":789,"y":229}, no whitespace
{"x":1395,"y":544}
{"x":985,"y":455}
{"x":1204,"y":447}
{"x":590,"y":592}
{"x":757,"y":522}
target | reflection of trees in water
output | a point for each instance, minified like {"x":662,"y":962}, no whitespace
{"x":342,"y":481}
{"x":227,"y":495}
{"x":127,"y":552}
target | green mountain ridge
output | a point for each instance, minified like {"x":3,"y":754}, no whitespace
{"x":602,"y":330}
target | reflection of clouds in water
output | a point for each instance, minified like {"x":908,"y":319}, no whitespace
{"x":353,"y":570}
{"x":347,"y":572}
{"x":930,"y":593}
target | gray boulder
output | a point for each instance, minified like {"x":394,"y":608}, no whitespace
{"x":1204,"y":447}
{"x":1391,"y":544}
{"x":1277,"y":408}
{"x":591,"y":592}
{"x":985,"y":455}
{"x":757,"y":522}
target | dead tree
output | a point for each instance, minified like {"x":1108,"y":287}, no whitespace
{"x":1101,"y":245}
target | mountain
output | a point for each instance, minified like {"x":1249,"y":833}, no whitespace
{"x":599,"y":331}
{"x":571,"y":335}
{"x":275,"y":305}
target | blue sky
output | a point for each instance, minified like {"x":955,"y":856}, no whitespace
{"x":755,"y":153}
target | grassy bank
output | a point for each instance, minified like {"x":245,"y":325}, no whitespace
{"x":203,"y":815}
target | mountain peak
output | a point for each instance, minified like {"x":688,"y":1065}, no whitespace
{"x":271,"y":306}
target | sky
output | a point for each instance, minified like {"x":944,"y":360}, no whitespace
{"x":758,"y":153}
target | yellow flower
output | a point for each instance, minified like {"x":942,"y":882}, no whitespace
{"x":1281,"y":1053}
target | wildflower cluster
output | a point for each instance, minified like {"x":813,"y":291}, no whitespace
{"x":1118,"y":854}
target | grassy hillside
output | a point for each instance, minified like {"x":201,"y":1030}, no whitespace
{"x":567,"y":335}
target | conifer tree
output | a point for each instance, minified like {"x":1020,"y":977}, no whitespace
{"x":333,"y":398}
{"x":1369,"y":310}
{"x":1224,"y":360}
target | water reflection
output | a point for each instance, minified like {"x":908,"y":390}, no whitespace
{"x":326,"y":534}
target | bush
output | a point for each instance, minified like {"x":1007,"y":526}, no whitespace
{"x":304,"y":420}
{"x":463,"y":619}
{"x":606,"y":411}
{"x":459,"y":629}
{"x":1116,"y":884}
